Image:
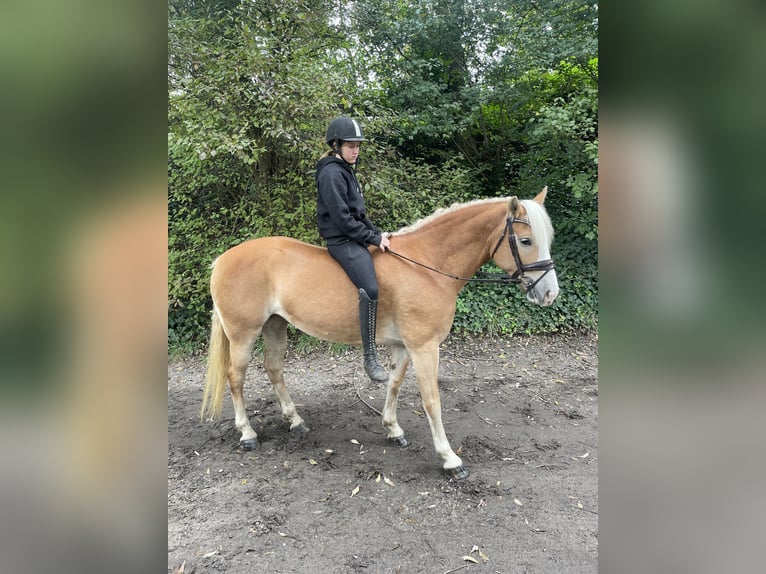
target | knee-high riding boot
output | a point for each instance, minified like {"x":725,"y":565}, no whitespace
{"x":368,"y":314}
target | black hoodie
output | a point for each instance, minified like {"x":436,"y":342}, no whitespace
{"x":341,"y":214}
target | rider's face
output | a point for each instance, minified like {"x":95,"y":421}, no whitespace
{"x":349,"y":151}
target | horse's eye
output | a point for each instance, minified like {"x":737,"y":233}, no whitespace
{"x":526,"y":241}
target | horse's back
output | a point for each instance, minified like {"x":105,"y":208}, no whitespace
{"x":287,"y":277}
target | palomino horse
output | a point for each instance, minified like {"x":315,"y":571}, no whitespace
{"x":260,"y":286}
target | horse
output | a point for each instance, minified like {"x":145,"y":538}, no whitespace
{"x":261,"y":285}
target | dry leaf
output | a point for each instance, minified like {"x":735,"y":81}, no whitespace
{"x":209,"y":554}
{"x":483,"y":556}
{"x":518,"y":502}
{"x":586,"y":455}
{"x":388,"y":481}
{"x":312,"y":461}
{"x":354,"y":441}
{"x":244,"y":481}
{"x":329,"y":450}
{"x":474,"y":549}
{"x":356,"y":490}
{"x":281,"y":533}
{"x":470,"y":559}
{"x":377,"y":478}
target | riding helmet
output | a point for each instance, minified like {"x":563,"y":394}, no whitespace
{"x":343,"y":128}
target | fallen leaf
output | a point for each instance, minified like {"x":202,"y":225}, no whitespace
{"x":474,"y":549}
{"x":312,"y":461}
{"x":388,"y":481}
{"x":377,"y":478}
{"x":586,"y":455}
{"x":354,"y":441}
{"x":579,"y":504}
{"x":353,"y":492}
{"x":281,"y":533}
{"x":518,"y":502}
{"x":244,"y":481}
{"x":209,"y":554}
{"x":329,"y":450}
{"x":483,"y":556}
{"x":470,"y":559}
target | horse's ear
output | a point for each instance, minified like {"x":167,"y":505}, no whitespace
{"x":513,"y":206}
{"x":540,"y":197}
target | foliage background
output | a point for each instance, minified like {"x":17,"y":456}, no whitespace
{"x":460,"y":99}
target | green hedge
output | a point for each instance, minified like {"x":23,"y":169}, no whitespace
{"x":398,"y":194}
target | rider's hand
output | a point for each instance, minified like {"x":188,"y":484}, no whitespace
{"x":384,"y":242}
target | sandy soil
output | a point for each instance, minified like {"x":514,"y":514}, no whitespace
{"x":521,"y":412}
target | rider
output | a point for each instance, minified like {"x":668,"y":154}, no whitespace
{"x":345,"y":227}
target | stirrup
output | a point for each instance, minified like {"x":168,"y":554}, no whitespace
{"x":374,"y":370}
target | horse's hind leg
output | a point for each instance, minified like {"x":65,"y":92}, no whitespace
{"x":400,"y":358}
{"x":240,"y":357}
{"x":275,"y":345}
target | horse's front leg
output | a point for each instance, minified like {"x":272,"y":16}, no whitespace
{"x":400,"y":358}
{"x":426,"y":363}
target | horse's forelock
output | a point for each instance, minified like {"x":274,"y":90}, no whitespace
{"x":539,"y":221}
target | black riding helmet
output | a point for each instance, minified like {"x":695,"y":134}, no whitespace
{"x":344,"y":129}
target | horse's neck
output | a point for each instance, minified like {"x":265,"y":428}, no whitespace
{"x":457,"y":242}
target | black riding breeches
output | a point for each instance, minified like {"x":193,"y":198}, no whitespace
{"x":357,"y":263}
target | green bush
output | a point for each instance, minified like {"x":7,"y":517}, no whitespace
{"x":198,"y":235}
{"x":253,"y":85}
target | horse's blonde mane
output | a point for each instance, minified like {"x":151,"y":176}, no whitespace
{"x":442,"y":211}
{"x":538,"y":218}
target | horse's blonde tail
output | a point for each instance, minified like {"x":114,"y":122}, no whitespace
{"x":218,"y":361}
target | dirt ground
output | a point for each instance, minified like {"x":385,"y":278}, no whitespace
{"x":522,"y":413}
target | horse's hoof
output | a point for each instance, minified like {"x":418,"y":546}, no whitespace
{"x":300,"y":429}
{"x":457,"y":473}
{"x":248,"y":444}
{"x":399,"y":441}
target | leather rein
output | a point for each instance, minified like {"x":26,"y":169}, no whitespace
{"x":517,"y":276}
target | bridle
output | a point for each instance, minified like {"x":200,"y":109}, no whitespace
{"x":518,"y":276}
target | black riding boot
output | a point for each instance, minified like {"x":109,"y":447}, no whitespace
{"x":368,"y":313}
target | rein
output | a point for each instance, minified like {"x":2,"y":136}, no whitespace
{"x":518,"y":276}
